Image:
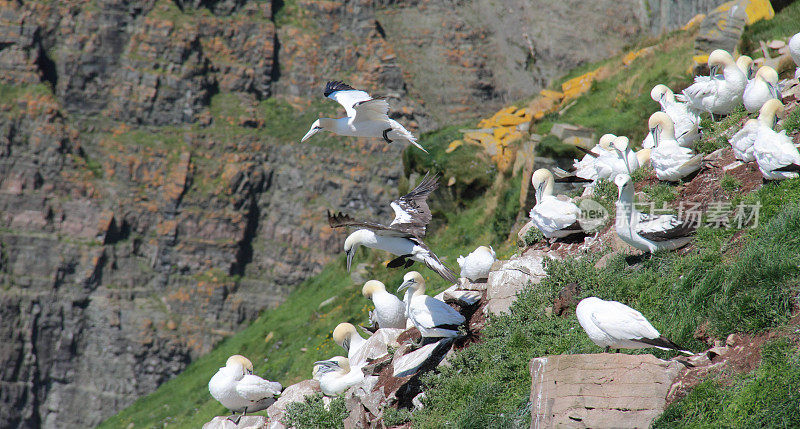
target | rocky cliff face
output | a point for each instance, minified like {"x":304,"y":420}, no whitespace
{"x":151,"y":197}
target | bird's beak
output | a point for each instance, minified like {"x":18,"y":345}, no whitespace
{"x":350,"y":254}
{"x":654,"y":132}
{"x":750,"y":72}
{"x":714,"y":70}
{"x":327,"y":365}
{"x":346,"y":344}
{"x":310,"y":133}
{"x":405,"y":285}
{"x":773,"y":91}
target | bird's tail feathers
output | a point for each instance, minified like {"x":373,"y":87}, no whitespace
{"x":406,"y":135}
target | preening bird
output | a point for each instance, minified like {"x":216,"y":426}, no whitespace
{"x":646,"y":232}
{"x":476,"y":265}
{"x":620,"y":159}
{"x":366,"y":117}
{"x":743,"y":142}
{"x":390,"y":312}
{"x":613,"y":325}
{"x":763,"y":87}
{"x":717,"y":94}
{"x":685,"y":120}
{"x":670,"y":161}
{"x":777,"y":157}
{"x":432,"y":317}
{"x":587,"y":168}
{"x":335,"y":375}
{"x":347,"y":337}
{"x":554,"y":217}
{"x":236,"y":388}
{"x":402,"y":237}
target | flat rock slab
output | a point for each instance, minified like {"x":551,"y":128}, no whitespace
{"x":599,"y":390}
{"x":509,"y":277}
{"x":294,"y":393}
{"x":246,"y":422}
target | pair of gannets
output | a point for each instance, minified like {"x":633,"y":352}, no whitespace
{"x":366,"y":117}
{"x":613,"y":325}
{"x":432,"y":317}
{"x":776,"y":155}
{"x":335,"y":375}
{"x":402,"y":237}
{"x":611,"y":156}
{"x":671,"y":161}
{"x":237,"y":389}
{"x":476,"y":265}
{"x":743,"y":142}
{"x":649,"y":233}
{"x":686,"y":121}
{"x":717,"y":94}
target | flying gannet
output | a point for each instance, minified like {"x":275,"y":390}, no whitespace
{"x":777,"y":157}
{"x":390,"y":312}
{"x":477,"y":264}
{"x":237,"y":389}
{"x":554,"y":217}
{"x":613,"y":325}
{"x":763,"y":87}
{"x":366,"y":117}
{"x":670,"y":161}
{"x":686,"y":121}
{"x":433,"y":318}
{"x":648,"y":233}
{"x":402,"y":237}
{"x":335,"y":375}
{"x":717,"y":94}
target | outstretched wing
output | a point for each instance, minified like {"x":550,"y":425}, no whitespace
{"x":374,"y":109}
{"x":340,"y":220}
{"x":346,"y":95}
{"x":411,"y":211}
{"x":664,"y":227}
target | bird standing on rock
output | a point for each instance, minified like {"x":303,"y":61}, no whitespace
{"x":477,"y":264}
{"x":237,"y":389}
{"x":390,"y":312}
{"x":433,"y":318}
{"x":366,"y":117}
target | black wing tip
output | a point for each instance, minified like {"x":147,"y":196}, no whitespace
{"x":336,"y":85}
{"x":792,"y":168}
{"x":336,"y":220}
{"x":662,"y":342}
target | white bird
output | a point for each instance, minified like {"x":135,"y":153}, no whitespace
{"x":613,"y":325}
{"x":554,"y":217}
{"x":777,"y":157}
{"x":715,"y":94}
{"x":433,"y":318}
{"x":648,"y":233}
{"x":347,"y":337}
{"x":402,"y":237}
{"x":794,"y":51}
{"x":763,"y":87}
{"x":586,"y":168}
{"x":366,"y":117}
{"x":477,"y":264}
{"x":745,"y":64}
{"x":686,"y":121}
{"x":743,"y":142}
{"x":390,"y":312}
{"x":670,"y":161}
{"x":237,"y":389}
{"x":335,"y":375}
{"x":620,"y":159}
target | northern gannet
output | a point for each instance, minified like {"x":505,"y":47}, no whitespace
{"x":648,"y":233}
{"x":366,"y":117}
{"x":745,"y":64}
{"x":685,"y":120}
{"x":237,"y":389}
{"x":794,"y":51}
{"x":763,"y":87}
{"x":346,"y":336}
{"x":613,"y":325}
{"x":670,"y":161}
{"x":390,"y":312}
{"x":620,"y":159}
{"x":402,"y":237}
{"x":777,"y":157}
{"x":587,"y":168}
{"x":743,"y":142}
{"x":715,"y":94}
{"x":432,"y":317}
{"x":335,"y":375}
{"x":554,"y":217}
{"x":477,"y":264}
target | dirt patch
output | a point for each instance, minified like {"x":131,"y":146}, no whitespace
{"x":706,"y":186}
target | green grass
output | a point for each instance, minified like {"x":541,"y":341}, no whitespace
{"x":792,"y":122}
{"x":746,"y":290}
{"x":717,"y":132}
{"x":552,"y":147}
{"x":769,"y":397}
{"x":312,"y":413}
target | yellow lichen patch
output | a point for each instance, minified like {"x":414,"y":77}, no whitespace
{"x":756,"y":10}
{"x":577,"y":86}
{"x":547,"y":102}
{"x":453,"y":145}
{"x":694,"y":22}
{"x":627,"y":59}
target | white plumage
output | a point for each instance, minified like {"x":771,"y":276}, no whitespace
{"x":611,"y":324}
{"x":346,"y":336}
{"x":670,"y":161}
{"x":237,"y":389}
{"x":685,"y":120}
{"x":390,"y":312}
{"x":366,"y":117}
{"x":715,"y":94}
{"x":742,"y":142}
{"x":649,"y":233}
{"x":335,"y":375}
{"x":794,"y":51}
{"x":554,"y":217}
{"x":477,"y":264}
{"x":433,"y":318}
{"x":620,"y":159}
{"x":763,"y":87}
{"x":777,"y":157}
